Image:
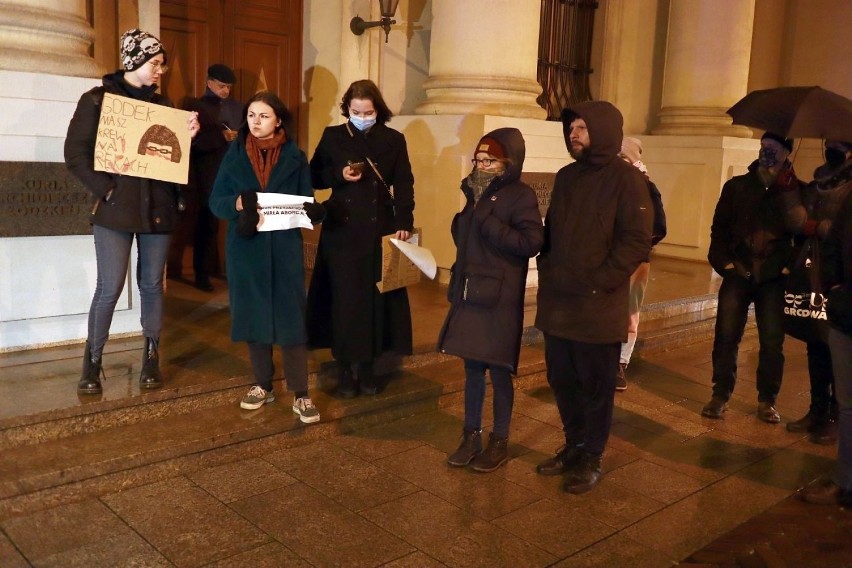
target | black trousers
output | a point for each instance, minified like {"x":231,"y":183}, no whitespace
{"x":582,"y":378}
{"x":295,"y":359}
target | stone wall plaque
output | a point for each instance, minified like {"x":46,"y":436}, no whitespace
{"x":542,"y":184}
{"x":39,"y":199}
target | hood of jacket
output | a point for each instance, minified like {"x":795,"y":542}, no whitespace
{"x":605,"y":125}
{"x":513,"y":143}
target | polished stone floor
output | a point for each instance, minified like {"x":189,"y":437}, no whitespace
{"x":677,"y":487}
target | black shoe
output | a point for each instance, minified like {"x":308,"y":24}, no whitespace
{"x":203,"y":283}
{"x":803,"y":424}
{"x":347,"y":387}
{"x":367,"y":382}
{"x":470,"y":447}
{"x":90,"y":379}
{"x":150,"y":376}
{"x":620,"y":379}
{"x":766,"y":412}
{"x":824,"y":433}
{"x":565,"y":457}
{"x":495,"y":455}
{"x":715,"y":408}
{"x":584,"y":476}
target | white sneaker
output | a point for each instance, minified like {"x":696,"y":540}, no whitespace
{"x":306,"y":410}
{"x":256,"y":397}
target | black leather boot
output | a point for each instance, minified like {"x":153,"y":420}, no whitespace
{"x":150,"y":376}
{"x":566,"y":456}
{"x":90,"y":379}
{"x":495,"y":455}
{"x":346,"y":385}
{"x":583,"y":476}
{"x":470,"y":447}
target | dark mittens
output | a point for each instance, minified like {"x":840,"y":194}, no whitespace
{"x":314,"y":211}
{"x":249,"y":216}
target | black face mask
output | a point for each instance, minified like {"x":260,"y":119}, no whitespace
{"x":834,"y":157}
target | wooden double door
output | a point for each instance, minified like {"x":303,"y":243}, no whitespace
{"x":261,"y":40}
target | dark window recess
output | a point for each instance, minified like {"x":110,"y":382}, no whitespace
{"x":565,"y":53}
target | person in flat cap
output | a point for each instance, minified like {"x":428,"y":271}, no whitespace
{"x":221,"y":117}
{"x":496,"y":233}
{"x":749,"y":249}
{"x":125,"y":209}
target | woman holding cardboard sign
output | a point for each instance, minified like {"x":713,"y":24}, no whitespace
{"x":365,"y":163}
{"x":125,"y":208}
{"x":266,"y":270}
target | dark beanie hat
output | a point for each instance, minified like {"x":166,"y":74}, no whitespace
{"x":786,"y":142}
{"x":221,"y":73}
{"x":137,"y":47}
{"x":491,"y":146}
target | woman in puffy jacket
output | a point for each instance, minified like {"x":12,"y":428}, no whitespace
{"x":496,"y":234}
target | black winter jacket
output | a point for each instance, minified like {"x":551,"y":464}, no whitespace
{"x":119,"y":202}
{"x":494,"y":238}
{"x":749,"y":230}
{"x":596,"y":233}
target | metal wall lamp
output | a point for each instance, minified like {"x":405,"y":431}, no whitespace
{"x":388,"y":8}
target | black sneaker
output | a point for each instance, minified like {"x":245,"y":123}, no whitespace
{"x":565,"y":457}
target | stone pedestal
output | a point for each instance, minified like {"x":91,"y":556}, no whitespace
{"x":50,"y":37}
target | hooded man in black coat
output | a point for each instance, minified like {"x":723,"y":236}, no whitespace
{"x":596,"y":232}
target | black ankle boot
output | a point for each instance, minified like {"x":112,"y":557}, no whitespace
{"x":346,"y":385}
{"x":150,"y":376}
{"x":566,"y":456}
{"x":495,"y":455}
{"x":470,"y":447}
{"x":583,"y":476}
{"x":90,"y":379}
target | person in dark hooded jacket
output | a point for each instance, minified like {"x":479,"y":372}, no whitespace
{"x":125,"y":208}
{"x":596,"y":233}
{"x":496,"y":234}
{"x":749,"y":249}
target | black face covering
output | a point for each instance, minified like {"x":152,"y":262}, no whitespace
{"x":834,"y":157}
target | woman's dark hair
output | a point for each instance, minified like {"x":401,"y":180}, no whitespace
{"x":278,"y":107}
{"x":159,"y":134}
{"x":366,"y":89}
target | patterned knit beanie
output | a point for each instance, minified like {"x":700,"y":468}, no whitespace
{"x":137,"y":47}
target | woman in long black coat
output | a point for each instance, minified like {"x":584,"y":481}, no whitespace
{"x":366,"y":165}
{"x":496,"y":234}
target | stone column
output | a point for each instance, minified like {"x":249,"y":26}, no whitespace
{"x":707,"y":65}
{"x":46,"y":36}
{"x":483,"y":59}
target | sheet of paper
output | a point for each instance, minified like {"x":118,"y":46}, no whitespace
{"x":281,"y":211}
{"x":421,"y":257}
{"x":141,"y":139}
{"x":398,"y":270}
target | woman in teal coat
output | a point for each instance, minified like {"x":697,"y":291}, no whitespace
{"x":266,"y":274}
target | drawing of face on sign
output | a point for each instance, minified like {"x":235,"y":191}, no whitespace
{"x":161,"y":142}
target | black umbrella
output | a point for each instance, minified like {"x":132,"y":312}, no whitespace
{"x":796,"y":112}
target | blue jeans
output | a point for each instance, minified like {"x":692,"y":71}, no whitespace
{"x":112,"y":249}
{"x":474,"y":397}
{"x":841,"y":359}
{"x":735,"y":296}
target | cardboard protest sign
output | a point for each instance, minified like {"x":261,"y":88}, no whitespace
{"x":141,"y":139}
{"x":398,"y":270}
{"x":280,"y":211}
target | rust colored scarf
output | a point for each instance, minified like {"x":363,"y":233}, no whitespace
{"x":263,"y":166}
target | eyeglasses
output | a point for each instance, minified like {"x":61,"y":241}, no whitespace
{"x":163,"y":151}
{"x":158,"y":67}
{"x":484,"y":161}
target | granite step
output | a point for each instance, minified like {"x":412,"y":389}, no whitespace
{"x":48,"y":471}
